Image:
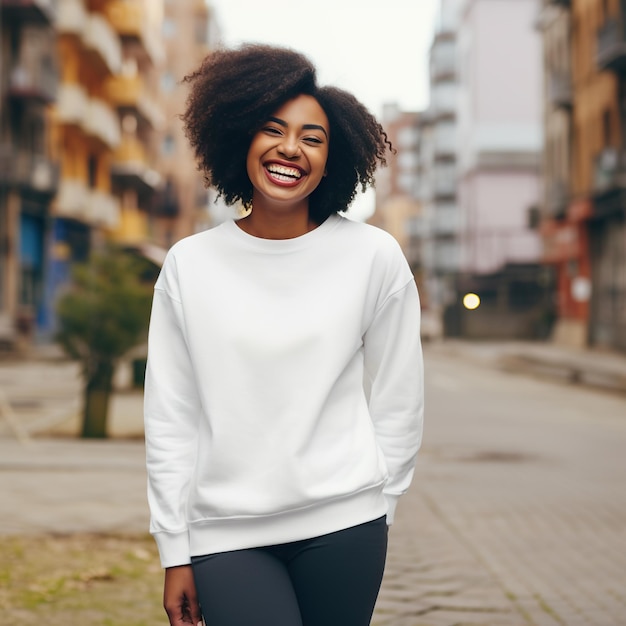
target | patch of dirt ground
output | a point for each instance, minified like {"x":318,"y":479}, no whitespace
{"x":95,"y":580}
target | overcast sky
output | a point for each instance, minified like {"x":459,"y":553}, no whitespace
{"x":377,"y":49}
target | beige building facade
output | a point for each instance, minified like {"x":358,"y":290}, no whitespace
{"x":190,"y":31}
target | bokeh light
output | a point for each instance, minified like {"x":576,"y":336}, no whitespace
{"x":471,"y":301}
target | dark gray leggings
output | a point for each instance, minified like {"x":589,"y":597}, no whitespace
{"x":331,"y":580}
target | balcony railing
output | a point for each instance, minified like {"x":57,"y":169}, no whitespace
{"x":103,"y":209}
{"x":446,"y":220}
{"x":93,"y":115}
{"x":609,"y":171}
{"x":90,"y":206}
{"x":103,"y":40}
{"x":560,"y":92}
{"x":129,"y":20}
{"x":442,"y":103}
{"x":442,"y":64}
{"x":444,"y":187}
{"x":102,"y":122}
{"x":128,"y":92}
{"x":72,"y":104}
{"x":611,"y":46}
{"x":34,"y":11}
{"x":72,"y":200}
{"x":444,"y":146}
{"x":131,"y":168}
{"x":71,"y":17}
{"x":34,"y":172}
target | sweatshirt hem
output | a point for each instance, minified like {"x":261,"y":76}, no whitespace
{"x":214,"y":536}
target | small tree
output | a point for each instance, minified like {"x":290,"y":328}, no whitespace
{"x":101,"y":317}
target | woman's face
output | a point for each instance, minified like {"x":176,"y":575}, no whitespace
{"x":287,"y":156}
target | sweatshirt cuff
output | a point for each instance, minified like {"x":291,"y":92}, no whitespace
{"x":392,"y":502}
{"x":173,"y":548}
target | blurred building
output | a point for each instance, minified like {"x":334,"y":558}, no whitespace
{"x":190,"y":31}
{"x":438,"y":226}
{"x":134,"y":92}
{"x":396,"y":184}
{"x":600,"y":165}
{"x":563,"y":221}
{"x":28,"y":175}
{"x":108,"y":51}
{"x":583,"y":221}
{"x":479,"y":171}
{"x":91,"y":148}
{"x":498,"y":160}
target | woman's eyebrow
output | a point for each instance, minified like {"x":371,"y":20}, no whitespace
{"x":305,"y":127}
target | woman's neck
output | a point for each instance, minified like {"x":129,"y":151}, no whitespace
{"x":284,"y":223}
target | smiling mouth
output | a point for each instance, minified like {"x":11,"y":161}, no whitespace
{"x":284,"y":174}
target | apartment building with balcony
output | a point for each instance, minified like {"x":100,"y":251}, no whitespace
{"x":500,"y":141}
{"x":134,"y":92}
{"x":190,"y":31}
{"x":105,"y":133}
{"x":86,"y":134}
{"x":28,"y":173}
{"x":438,"y":226}
{"x":396,"y":203}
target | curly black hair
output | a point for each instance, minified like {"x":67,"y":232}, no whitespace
{"x":235,"y":91}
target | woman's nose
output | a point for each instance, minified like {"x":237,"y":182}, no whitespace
{"x":289,"y":147}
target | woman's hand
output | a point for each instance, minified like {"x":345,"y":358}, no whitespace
{"x":179,"y":597}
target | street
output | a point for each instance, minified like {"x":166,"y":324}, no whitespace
{"x":517,"y":513}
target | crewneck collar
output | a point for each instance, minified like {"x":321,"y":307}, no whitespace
{"x":281,"y":245}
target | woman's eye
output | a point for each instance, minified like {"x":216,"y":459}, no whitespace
{"x":313,"y":140}
{"x":271,"y":130}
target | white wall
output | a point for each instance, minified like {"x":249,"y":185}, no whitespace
{"x":500,"y":70}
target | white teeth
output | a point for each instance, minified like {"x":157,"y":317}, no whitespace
{"x":282,"y":178}
{"x":284,"y":171}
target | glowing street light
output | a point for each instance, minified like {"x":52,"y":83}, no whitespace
{"x":471,"y":301}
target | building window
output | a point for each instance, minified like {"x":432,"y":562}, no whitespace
{"x":169,"y":145}
{"x":168,"y":82}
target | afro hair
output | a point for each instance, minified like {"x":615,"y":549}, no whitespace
{"x":235,"y":91}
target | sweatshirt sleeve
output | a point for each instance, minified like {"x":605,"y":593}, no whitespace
{"x":171,"y":411}
{"x":394,"y":376}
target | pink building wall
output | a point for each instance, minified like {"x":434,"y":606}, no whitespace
{"x":500,"y":132}
{"x":495,"y":207}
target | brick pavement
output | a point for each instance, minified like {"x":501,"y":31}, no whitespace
{"x":433,"y":578}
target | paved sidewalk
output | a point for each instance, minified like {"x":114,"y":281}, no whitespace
{"x":71,"y":486}
{"x":586,"y":367}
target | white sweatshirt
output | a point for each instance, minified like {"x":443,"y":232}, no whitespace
{"x":260,"y":428}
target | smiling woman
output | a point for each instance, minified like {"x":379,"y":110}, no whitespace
{"x":283,"y":395}
{"x":236,"y":92}
{"x":286,"y":162}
